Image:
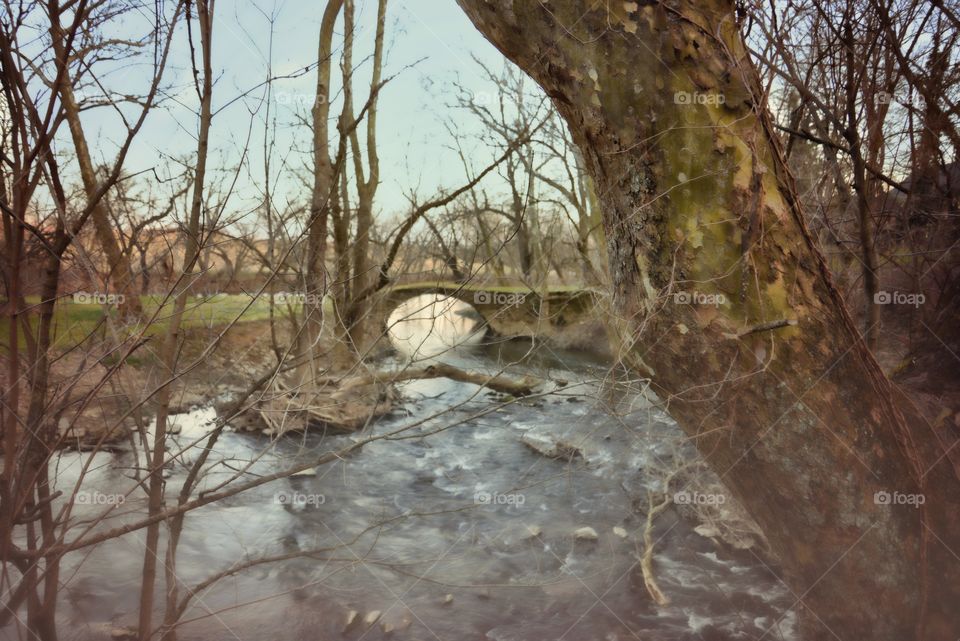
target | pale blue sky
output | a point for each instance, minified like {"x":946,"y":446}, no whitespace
{"x":432,"y":35}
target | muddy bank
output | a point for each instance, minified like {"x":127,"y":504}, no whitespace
{"x":244,"y":356}
{"x":108,"y":401}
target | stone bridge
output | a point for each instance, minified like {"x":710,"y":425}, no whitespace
{"x":509,"y":311}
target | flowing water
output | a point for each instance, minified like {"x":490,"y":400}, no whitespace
{"x":455,"y":530}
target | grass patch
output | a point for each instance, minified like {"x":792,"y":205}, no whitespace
{"x":74,"y":322}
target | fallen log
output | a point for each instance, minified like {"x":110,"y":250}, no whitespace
{"x":497,"y":382}
{"x":348,"y":403}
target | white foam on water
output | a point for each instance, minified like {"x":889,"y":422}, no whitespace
{"x":696,"y":622}
{"x":194,"y":424}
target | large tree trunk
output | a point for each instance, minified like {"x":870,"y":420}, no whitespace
{"x":775,"y":384}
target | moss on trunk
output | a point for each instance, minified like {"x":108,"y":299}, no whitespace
{"x":729,"y":307}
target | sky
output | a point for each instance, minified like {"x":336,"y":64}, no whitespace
{"x":430,"y":45}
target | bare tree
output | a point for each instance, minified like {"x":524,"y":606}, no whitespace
{"x":354,"y":312}
{"x":29,"y":526}
{"x":860,"y":100}
{"x":156,"y":452}
{"x":322,"y":198}
{"x":120,"y":271}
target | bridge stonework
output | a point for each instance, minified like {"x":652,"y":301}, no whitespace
{"x":508,"y":311}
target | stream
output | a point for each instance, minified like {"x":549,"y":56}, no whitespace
{"x":455,"y":530}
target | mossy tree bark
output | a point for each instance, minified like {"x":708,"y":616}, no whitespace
{"x":773,"y":381}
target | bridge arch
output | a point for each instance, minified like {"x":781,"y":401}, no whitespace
{"x":508,"y":311}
